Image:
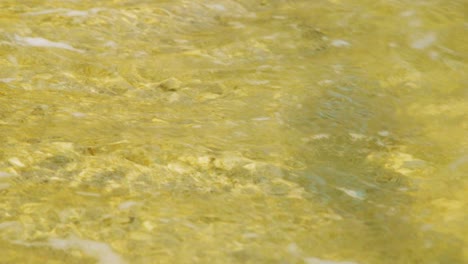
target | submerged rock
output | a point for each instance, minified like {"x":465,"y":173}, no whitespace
{"x":171,"y":84}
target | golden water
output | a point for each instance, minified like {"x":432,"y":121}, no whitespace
{"x":233,"y":131}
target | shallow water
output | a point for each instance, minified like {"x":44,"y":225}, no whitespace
{"x":233,"y":131}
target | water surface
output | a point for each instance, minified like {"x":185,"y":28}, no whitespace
{"x":233,"y":131}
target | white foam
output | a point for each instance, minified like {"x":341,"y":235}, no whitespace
{"x":424,"y":42}
{"x":407,"y":13}
{"x":258,"y":82}
{"x":101,"y":251}
{"x":46,"y":12}
{"x":7,"y":80}
{"x":272,"y":36}
{"x":384,"y":133}
{"x":90,"y":194}
{"x":415,"y":22}
{"x":323,"y":261}
{"x":10,"y":224}
{"x":4,"y":174}
{"x":92,"y":11}
{"x":325,"y":82}
{"x":355,"y":194}
{"x":42,"y":42}
{"x":433,"y":54}
{"x":110,"y":44}
{"x":16,"y":162}
{"x":217,"y":7}
{"x":340,"y":43}
{"x":66,"y":12}
{"x":293,"y":249}
{"x":356,"y":136}
{"x":261,"y":118}
{"x":320,"y":136}
{"x":73,"y":13}
{"x":78,"y":114}
{"x":128,"y":204}
{"x":458,"y":162}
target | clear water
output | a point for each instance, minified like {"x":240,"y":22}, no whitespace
{"x":233,"y":131}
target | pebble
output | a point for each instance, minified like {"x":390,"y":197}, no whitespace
{"x":171,"y":84}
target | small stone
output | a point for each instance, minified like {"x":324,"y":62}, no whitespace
{"x":171,"y":84}
{"x":250,"y":167}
